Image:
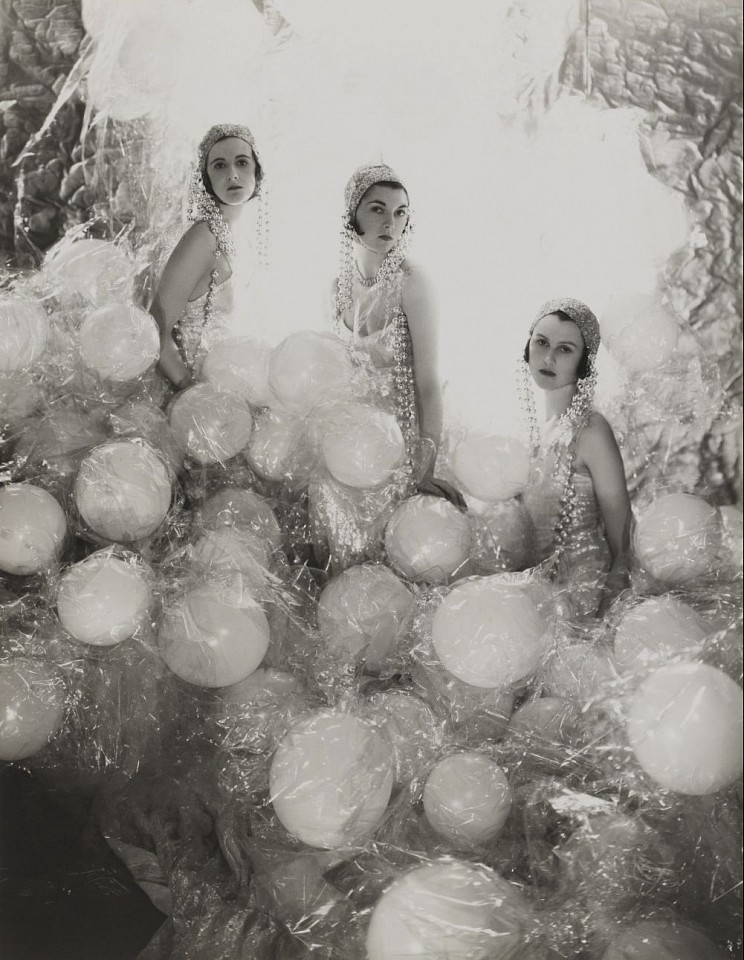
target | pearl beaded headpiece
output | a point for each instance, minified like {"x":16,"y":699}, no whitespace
{"x":203,"y":206}
{"x":361,"y":180}
{"x":581,"y":315}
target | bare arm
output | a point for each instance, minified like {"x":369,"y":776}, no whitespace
{"x":598,"y":452}
{"x":421,"y":313}
{"x":186,"y":271}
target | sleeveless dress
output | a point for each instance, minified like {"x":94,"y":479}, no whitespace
{"x":349,"y":521}
{"x":193,"y":337}
{"x":583,"y":563}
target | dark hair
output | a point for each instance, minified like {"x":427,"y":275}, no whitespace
{"x":392,"y":184}
{"x":583,"y":368}
{"x":205,"y":175}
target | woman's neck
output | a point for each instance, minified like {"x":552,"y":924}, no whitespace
{"x":230,"y":212}
{"x":368,"y":261}
{"x":558,"y":401}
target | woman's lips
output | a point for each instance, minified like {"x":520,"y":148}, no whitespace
{"x":548,"y":373}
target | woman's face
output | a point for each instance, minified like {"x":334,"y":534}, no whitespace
{"x":381,"y":217}
{"x":231,"y":168}
{"x":556,"y":348}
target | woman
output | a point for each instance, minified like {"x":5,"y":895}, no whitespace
{"x":578,"y":498}
{"x":194,"y":297}
{"x":384,"y":311}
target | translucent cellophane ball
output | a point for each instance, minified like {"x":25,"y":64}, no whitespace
{"x":307,"y":369}
{"x":240,"y":366}
{"x":361,"y":445}
{"x":410,"y":726}
{"x":363,"y":611}
{"x":582,"y":672}
{"x":428,"y":539}
{"x":20,"y":397}
{"x":551,"y":719}
{"x":119,"y":342}
{"x":105,"y":598}
{"x":32,"y":529}
{"x":684,"y":723}
{"x":232,"y":553}
{"x":489,"y":633}
{"x":662,"y":940}
{"x":732,"y":537}
{"x":449,"y":909}
{"x":32,"y":702}
{"x":210,"y":426}
{"x":275,"y":449}
{"x":677,"y":538}
{"x":467,"y":798}
{"x":59,"y":442}
{"x":257,"y":711}
{"x":24,"y":332}
{"x":123,"y":490}
{"x":146,"y":421}
{"x":656,"y":630}
{"x":213,"y":636}
{"x":96,"y":270}
{"x":331,"y":779}
{"x":244,"y":509}
{"x":491,"y":468}
{"x":639,"y":332}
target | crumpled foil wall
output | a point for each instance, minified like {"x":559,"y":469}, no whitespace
{"x":678,"y":60}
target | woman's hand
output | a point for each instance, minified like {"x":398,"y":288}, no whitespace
{"x":440,"y":488}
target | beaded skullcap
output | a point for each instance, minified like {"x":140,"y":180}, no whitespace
{"x":361,"y":180}
{"x":581,"y":315}
{"x":219,"y":132}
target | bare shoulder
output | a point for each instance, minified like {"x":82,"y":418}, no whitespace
{"x":597,"y":435}
{"x":197,"y":239}
{"x":417,"y":277}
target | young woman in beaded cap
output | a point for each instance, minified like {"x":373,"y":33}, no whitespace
{"x":577,"y":498}
{"x":384,"y":310}
{"x":193,"y":300}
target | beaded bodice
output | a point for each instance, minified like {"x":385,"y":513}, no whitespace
{"x":376,"y":333}
{"x":194,"y":333}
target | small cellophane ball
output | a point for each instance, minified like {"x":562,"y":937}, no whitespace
{"x":550,"y":718}
{"x":427,"y":539}
{"x":60,"y":441}
{"x":210,"y":426}
{"x":489,"y":633}
{"x":656,"y":630}
{"x":410,"y":726}
{"x":212,"y":637}
{"x":309,"y":368}
{"x":105,"y":598}
{"x":123,"y":490}
{"x":639,"y":332}
{"x":273,"y":448}
{"x":363,"y":611}
{"x":232,"y":552}
{"x":662,"y":940}
{"x":245,"y":510}
{"x":257,"y":711}
{"x":467,"y":798}
{"x":361,"y":445}
{"x":32,"y":529}
{"x":32,"y":702}
{"x":582,"y":672}
{"x":96,"y":270}
{"x":331,"y":779}
{"x":145,"y":420}
{"x":491,"y":468}
{"x":448,"y":909}
{"x":24,"y":332}
{"x":684,"y":723}
{"x":677,"y":538}
{"x":241,"y":367}
{"x":20,"y":397}
{"x":119,"y":342}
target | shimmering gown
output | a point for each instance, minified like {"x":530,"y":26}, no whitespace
{"x":582,"y":565}
{"x":191,"y":333}
{"x":349,"y":520}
